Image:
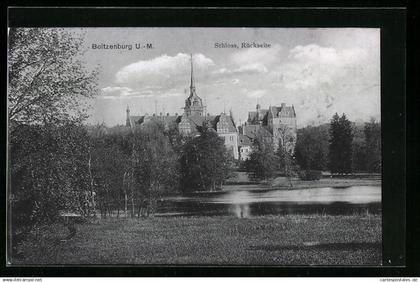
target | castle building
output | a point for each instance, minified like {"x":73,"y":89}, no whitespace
{"x":193,"y":117}
{"x":275,"y":124}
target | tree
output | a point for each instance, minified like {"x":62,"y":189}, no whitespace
{"x":48,"y":148}
{"x":262,"y":162}
{"x":372,"y":131}
{"x":286,"y":162}
{"x":358,"y":149}
{"x":155,"y":165}
{"x":110,"y":153}
{"x":48,"y":168}
{"x":340,"y":148}
{"x":204,"y":162}
{"x":47,"y":79}
{"x":311,"y":150}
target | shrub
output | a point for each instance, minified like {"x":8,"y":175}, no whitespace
{"x":310,"y":174}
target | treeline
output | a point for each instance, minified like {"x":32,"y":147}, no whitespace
{"x":132,"y":168}
{"x":340,"y":146}
{"x":117,"y":171}
{"x":57,"y":164}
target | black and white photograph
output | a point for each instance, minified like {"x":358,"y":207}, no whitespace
{"x":194,"y":146}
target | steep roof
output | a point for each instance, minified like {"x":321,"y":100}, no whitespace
{"x":252,"y":130}
{"x":166,"y":120}
{"x":253,"y":116}
{"x":283,"y":111}
{"x":244,"y":140}
{"x":136,"y":119}
{"x":194,"y":120}
{"x":229,"y":121}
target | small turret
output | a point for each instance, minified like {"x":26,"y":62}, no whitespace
{"x":128,"y":123}
{"x":259,"y":114}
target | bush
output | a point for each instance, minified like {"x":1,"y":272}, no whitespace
{"x":310,"y":174}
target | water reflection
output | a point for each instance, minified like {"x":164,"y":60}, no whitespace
{"x":326,"y":200}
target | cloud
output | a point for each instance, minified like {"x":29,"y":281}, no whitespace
{"x":318,"y":80}
{"x":327,"y":55}
{"x":176,"y":94}
{"x":160,"y":76}
{"x":114,"y":91}
{"x":313,"y":66}
{"x":159,"y":69}
{"x":262,"y":56}
{"x":251,"y":69}
{"x":256,"y":93}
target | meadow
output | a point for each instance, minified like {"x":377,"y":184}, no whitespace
{"x":263,"y":240}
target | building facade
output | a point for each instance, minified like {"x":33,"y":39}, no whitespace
{"x":275,"y":124}
{"x":194,"y":117}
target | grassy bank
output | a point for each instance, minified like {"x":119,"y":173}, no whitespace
{"x":281,"y":183}
{"x":241,"y":181}
{"x":327,"y":182}
{"x":272,"y":240}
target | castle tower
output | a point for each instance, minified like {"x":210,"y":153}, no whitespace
{"x":193,"y":104}
{"x":259,"y":114}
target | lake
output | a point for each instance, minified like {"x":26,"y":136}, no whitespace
{"x":255,"y":202}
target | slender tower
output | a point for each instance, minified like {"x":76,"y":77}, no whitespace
{"x":128,"y":123}
{"x":192,"y":86}
{"x":193,"y":104}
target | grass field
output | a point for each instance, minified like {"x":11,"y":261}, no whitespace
{"x":266,"y":240}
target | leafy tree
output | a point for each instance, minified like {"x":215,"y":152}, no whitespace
{"x":205,"y":162}
{"x":48,"y":168}
{"x":155,"y":165}
{"x":48,"y":148}
{"x":110,"y":162}
{"x":311,"y":150}
{"x":340,"y":149}
{"x":263,"y":161}
{"x":47,"y":79}
{"x":358,"y":149}
{"x":286,"y":165}
{"x":372,"y":131}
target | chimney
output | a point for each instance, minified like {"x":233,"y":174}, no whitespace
{"x":283,"y":105}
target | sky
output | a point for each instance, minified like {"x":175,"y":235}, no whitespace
{"x":319,"y":71}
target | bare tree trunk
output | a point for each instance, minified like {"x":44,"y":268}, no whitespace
{"x":125,"y":203}
{"x":139,"y":209}
{"x":125,"y":193}
{"x":132,"y":205}
{"x":118,"y":205}
{"x":92,"y":202}
{"x":132,"y":181}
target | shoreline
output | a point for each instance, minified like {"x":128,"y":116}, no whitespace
{"x":301,"y":184}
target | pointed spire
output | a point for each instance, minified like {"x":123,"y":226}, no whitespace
{"x":192,"y":86}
